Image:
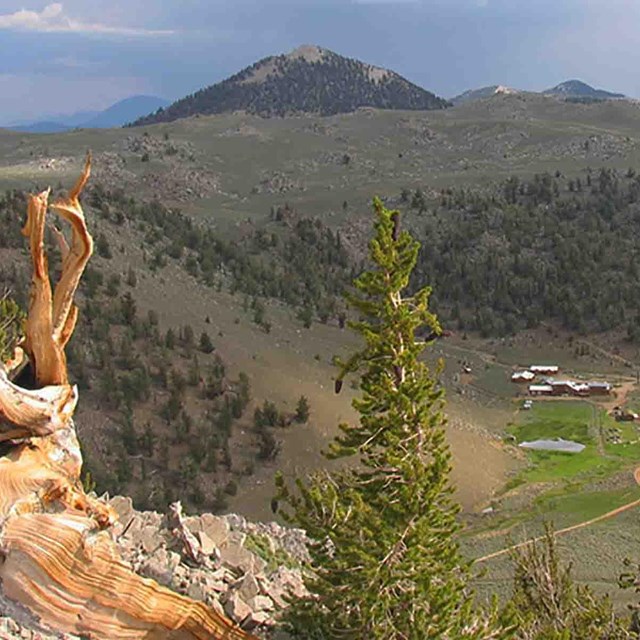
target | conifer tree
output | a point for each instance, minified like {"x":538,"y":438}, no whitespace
{"x":11,"y":320}
{"x":386,"y":565}
{"x":548,"y":605}
{"x":303,"y":410}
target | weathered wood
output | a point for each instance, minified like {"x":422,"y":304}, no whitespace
{"x":57,"y":555}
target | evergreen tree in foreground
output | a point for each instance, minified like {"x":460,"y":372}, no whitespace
{"x":385,"y":564}
{"x":548,"y":605}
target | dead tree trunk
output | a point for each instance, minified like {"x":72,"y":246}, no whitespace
{"x":57,"y":555}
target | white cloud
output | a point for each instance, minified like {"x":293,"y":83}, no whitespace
{"x":52,"y":19}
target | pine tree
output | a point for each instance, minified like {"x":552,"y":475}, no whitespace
{"x":548,"y":605}
{"x":11,"y":321}
{"x":385,"y":562}
{"x":206,"y":346}
{"x":303,"y":410}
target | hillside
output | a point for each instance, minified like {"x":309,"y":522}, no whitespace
{"x":237,"y":226}
{"x":275,"y":219}
{"x":307,"y":80}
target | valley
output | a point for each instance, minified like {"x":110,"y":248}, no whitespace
{"x":258,"y":185}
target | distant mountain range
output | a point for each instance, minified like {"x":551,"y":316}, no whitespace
{"x":573,"y":90}
{"x":116,"y":115}
{"x":307,"y":80}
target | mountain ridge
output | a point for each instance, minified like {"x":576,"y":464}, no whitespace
{"x":309,"y":79}
{"x":569,"y":90}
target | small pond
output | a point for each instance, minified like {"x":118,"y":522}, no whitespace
{"x":566,"y":446}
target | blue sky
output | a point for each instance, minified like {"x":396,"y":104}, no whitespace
{"x":62,"y":57}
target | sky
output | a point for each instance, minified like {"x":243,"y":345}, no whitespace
{"x":71,"y":56}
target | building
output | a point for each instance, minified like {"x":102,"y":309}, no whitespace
{"x":597,"y":387}
{"x":569,"y":388}
{"x":540,"y":389}
{"x":544,"y":369}
{"x":522,"y":376}
{"x":623,"y":415}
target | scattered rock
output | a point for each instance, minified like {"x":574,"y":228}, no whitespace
{"x":261,"y":603}
{"x":237,"y":609}
{"x":248,"y":587}
{"x":228,"y":576}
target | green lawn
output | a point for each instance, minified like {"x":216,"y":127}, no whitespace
{"x":555,"y":419}
{"x":550,"y":466}
{"x":569,"y":420}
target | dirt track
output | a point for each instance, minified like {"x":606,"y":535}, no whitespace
{"x":575,"y":527}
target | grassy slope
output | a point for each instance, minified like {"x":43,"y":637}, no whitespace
{"x":481,"y":141}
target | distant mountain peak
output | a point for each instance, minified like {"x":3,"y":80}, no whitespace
{"x":579,"y":89}
{"x":309,"y":79}
{"x":483,"y":92}
{"x":571,"y":86}
{"x":116,"y":115}
{"x":270,"y":67}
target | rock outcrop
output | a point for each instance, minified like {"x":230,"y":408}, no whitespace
{"x":246,"y":571}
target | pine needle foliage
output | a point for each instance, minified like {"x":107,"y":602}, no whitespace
{"x":548,"y":605}
{"x":11,"y":326}
{"x":386,"y":565}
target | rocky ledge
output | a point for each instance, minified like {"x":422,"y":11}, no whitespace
{"x":248,"y":570}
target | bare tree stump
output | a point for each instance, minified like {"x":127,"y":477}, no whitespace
{"x":57,"y":554}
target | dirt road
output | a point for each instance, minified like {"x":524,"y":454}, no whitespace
{"x":575,"y":527}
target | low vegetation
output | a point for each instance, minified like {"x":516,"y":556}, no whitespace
{"x":547,"y":605}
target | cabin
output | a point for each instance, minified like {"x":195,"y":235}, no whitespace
{"x":540,"y":389}
{"x":544,"y":369}
{"x":599,"y":388}
{"x":569,"y":388}
{"x":522,"y":376}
